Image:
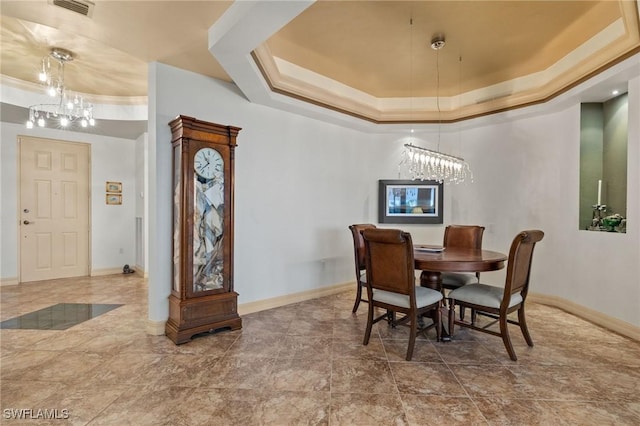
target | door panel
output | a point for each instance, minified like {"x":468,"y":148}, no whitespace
{"x":54,"y":208}
{"x":43,"y":199}
{"x":70,"y":249}
{"x":70,"y":200}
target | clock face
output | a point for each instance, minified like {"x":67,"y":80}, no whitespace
{"x":208,"y":163}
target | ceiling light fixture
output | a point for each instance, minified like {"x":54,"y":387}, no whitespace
{"x":428,"y":164}
{"x":68,"y":108}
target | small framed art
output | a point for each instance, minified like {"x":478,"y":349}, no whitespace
{"x":114,"y":187}
{"x":114,"y":199}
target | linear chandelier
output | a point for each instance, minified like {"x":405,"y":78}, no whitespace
{"x":427,"y":164}
{"x":68,"y":108}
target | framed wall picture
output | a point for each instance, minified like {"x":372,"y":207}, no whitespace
{"x":410,"y":201}
{"x":114,"y":199}
{"x":114,"y":187}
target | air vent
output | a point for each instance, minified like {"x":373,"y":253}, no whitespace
{"x":82,"y":7}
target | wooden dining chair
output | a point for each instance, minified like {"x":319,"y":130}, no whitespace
{"x":461,"y":236}
{"x":391,"y":284}
{"x":358,"y":251}
{"x":497,"y":302}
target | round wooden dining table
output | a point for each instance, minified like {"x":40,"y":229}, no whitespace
{"x":452,"y":259}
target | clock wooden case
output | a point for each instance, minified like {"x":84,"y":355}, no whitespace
{"x":202,"y":297}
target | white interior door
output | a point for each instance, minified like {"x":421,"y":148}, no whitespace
{"x":54,"y":209}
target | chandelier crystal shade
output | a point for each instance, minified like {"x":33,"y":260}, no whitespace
{"x":66,"y":108}
{"x":425,"y":164}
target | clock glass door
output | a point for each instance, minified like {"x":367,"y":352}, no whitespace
{"x":208,"y":221}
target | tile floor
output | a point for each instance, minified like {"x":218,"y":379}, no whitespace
{"x":303,"y":364}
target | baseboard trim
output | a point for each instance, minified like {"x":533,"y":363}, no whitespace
{"x":276,"y":302}
{"x":140,"y":270}
{"x":9,"y":281}
{"x":94,"y":273}
{"x":621,"y":327}
{"x":107,"y":271}
{"x":155,"y":328}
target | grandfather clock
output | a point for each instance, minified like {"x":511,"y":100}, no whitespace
{"x":202,"y":297}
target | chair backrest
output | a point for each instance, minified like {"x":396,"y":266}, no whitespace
{"x":358,"y":244}
{"x":519,"y":263}
{"x":463,"y":236}
{"x":389,"y":260}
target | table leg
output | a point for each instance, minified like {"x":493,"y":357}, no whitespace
{"x":432,"y":279}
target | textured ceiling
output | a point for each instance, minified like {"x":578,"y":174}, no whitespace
{"x":114,"y":45}
{"x":370,"y":59}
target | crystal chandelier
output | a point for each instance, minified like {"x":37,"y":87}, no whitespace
{"x":426,"y":164}
{"x":68,"y":108}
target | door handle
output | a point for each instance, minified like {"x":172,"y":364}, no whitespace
{"x":26,"y":222}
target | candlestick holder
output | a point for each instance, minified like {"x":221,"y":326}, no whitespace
{"x":596,"y":220}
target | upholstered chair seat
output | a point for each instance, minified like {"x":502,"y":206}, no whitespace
{"x":458,"y":279}
{"x":424,"y":297}
{"x":484,"y":295}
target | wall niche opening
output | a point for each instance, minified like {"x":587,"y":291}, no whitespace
{"x":603,"y":165}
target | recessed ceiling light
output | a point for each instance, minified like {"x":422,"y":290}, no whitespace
{"x":615,"y":92}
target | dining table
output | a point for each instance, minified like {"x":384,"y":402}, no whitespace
{"x":434,"y":260}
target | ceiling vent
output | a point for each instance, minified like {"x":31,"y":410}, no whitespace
{"x":82,"y":7}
